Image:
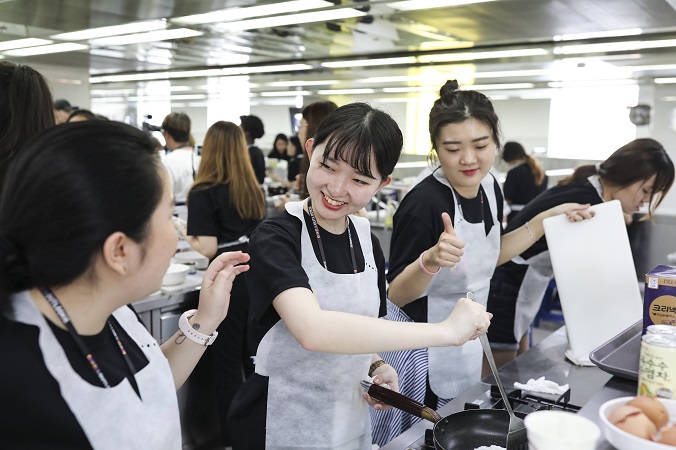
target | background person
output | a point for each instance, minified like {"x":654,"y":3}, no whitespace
{"x":525,"y":179}
{"x":225,"y":205}
{"x":25,"y":110}
{"x":313,"y":115}
{"x":253,"y":129}
{"x":639,"y":173}
{"x":62,"y":109}
{"x":317,"y":285}
{"x":279,"y":147}
{"x":180,"y":160}
{"x":85,"y":372}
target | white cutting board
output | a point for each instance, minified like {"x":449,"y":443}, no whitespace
{"x":595,"y":277}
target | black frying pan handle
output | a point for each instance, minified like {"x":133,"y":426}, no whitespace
{"x":400,"y":401}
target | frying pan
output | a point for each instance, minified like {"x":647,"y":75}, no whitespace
{"x":464,"y":430}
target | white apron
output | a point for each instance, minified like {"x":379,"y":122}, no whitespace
{"x":114,"y":418}
{"x":454,"y":369}
{"x":535,"y":282}
{"x":314,"y":399}
{"x":532,"y":290}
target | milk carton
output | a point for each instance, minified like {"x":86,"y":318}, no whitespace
{"x":659,"y":298}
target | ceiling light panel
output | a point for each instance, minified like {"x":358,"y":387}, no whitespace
{"x":22,"y":43}
{"x":284,"y":94}
{"x":46,"y":49}
{"x":414,"y":5}
{"x":234,"y":14}
{"x":370,"y":62}
{"x":290,"y":19}
{"x":449,"y":57}
{"x":346,"y":91}
{"x":151,"y":36}
{"x":116,"y":30}
{"x":294,"y":83}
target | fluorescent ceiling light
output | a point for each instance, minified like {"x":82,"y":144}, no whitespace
{"x":653,"y":67}
{"x":291,"y":19}
{"x":598,"y":34}
{"x":294,"y":83}
{"x":413,"y":5}
{"x":490,"y":87}
{"x":109,"y":100}
{"x":45,"y":49}
{"x":391,"y":79}
{"x":509,"y":73}
{"x":665,"y":80}
{"x":448,"y":57}
{"x":370,"y":62}
{"x":151,"y":36}
{"x":590,"y":83}
{"x":22,"y":43}
{"x":614,"y":46}
{"x":345,"y":91}
{"x":284,"y":93}
{"x":411,"y":89}
{"x":198,"y":73}
{"x":233,"y":14}
{"x":115,"y":30}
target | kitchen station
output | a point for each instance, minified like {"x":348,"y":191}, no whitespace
{"x":338,"y":224}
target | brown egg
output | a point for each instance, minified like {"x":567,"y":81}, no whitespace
{"x":668,"y":436}
{"x":633,"y":421}
{"x":652,"y":408}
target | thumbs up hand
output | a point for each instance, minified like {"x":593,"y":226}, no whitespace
{"x":447,"y":251}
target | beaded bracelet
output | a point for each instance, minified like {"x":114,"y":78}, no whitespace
{"x":422,"y":266}
{"x":375,"y":365}
{"x":530,"y":233}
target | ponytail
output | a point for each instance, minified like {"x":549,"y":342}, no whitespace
{"x":536,"y":169}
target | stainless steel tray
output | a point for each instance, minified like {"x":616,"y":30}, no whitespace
{"x":619,"y":356}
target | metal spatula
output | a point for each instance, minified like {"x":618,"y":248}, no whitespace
{"x":516,"y":436}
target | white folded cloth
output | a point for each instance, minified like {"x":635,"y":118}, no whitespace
{"x":579,"y":361}
{"x":542,"y":385}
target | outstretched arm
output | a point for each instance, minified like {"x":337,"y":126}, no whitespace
{"x":182,"y":353}
{"x":338,"y":332}
{"x":521,"y":239}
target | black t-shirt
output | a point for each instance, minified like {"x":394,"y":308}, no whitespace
{"x":293,"y":168}
{"x":33,"y":414}
{"x":581,"y":192}
{"x":210,"y":213}
{"x":258,"y":163}
{"x":276,"y":266}
{"x":418,"y":225}
{"x":275,"y":249}
{"x":274,"y":153}
{"x":520,"y":187}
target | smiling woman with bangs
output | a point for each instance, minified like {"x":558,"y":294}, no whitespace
{"x":317,"y":287}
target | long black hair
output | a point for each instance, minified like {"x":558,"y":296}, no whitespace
{"x":65,"y":193}
{"x":25,"y":109}
{"x":354,"y":131}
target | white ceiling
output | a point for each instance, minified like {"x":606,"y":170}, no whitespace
{"x":491,"y":28}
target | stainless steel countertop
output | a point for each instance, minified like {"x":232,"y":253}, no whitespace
{"x":590,"y":386}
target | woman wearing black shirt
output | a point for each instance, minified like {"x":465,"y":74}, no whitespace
{"x":525,"y":180}
{"x":224,"y":206}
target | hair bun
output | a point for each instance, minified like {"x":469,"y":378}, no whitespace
{"x":449,"y":88}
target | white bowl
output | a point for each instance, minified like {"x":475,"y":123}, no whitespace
{"x":201,"y":261}
{"x":176,"y":274}
{"x":625,"y":441}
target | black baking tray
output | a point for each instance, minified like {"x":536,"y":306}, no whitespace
{"x":619,"y":356}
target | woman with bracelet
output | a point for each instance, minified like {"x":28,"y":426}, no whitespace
{"x":85,"y":230}
{"x":225,"y":205}
{"x":639,"y":173}
{"x":317,"y":286}
{"x":447,"y":237}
